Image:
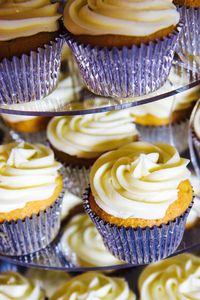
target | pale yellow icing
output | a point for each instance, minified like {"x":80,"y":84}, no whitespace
{"x":91,"y":135}
{"x":139,"y":180}
{"x":175,"y":278}
{"x":94,"y":286}
{"x":82,"y":239}
{"x":28,"y":172}
{"x":26,"y":18}
{"x":119,"y":17}
{"x":15,"y":286}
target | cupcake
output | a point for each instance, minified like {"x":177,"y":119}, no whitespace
{"x":194,"y":215}
{"x":173,"y":278}
{"x":15,"y":286}
{"x":95,"y":285}
{"x":188,"y":46}
{"x":31,"y":44}
{"x":116,"y":43}
{"x":79,"y":235}
{"x":139,"y":200}
{"x":31,"y":196}
{"x":80,"y":140}
{"x":49,"y":281}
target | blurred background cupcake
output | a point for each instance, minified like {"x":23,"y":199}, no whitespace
{"x":126,"y":45}
{"x":31,"y":44}
{"x":194,"y":215}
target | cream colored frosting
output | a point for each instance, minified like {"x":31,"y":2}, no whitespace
{"x":95,"y":286}
{"x":15,"y":286}
{"x":194,"y":214}
{"x":176,"y":278}
{"x":90,"y":135}
{"x":49,"y":281}
{"x":139,"y":180}
{"x":69,"y":202}
{"x":82,"y":240}
{"x":16,"y":118}
{"x":119,"y":17}
{"x":26,"y":18}
{"x":196,"y":123}
{"x":28,"y":173}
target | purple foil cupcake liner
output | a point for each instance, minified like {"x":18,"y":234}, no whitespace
{"x":176,"y":134}
{"x":189,"y":41}
{"x":141,"y":245}
{"x":30,"y":77}
{"x":125,"y":72}
{"x":32,"y":234}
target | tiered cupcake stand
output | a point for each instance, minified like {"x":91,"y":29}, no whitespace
{"x":84,"y":102}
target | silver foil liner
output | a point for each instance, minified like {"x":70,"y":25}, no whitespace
{"x":30,"y":77}
{"x":175,"y":134}
{"x":32,"y":234}
{"x":139,"y":245}
{"x":125,"y":72}
{"x":188,"y":47}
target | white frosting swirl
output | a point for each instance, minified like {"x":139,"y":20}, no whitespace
{"x":26,"y":18}
{"x":94,"y":286}
{"x":196,"y":123}
{"x":49,"y":281}
{"x":28,"y":172}
{"x":15,"y":286}
{"x":82,"y":239}
{"x":89,"y":136}
{"x":119,"y":17}
{"x":176,"y":278}
{"x":139,"y":180}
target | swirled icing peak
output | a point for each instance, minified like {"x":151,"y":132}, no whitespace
{"x":26,"y":18}
{"x":28,"y":172}
{"x":80,"y":235}
{"x":89,"y":136}
{"x":96,"y":286}
{"x":119,"y":17}
{"x":175,"y":278}
{"x":137,"y":179}
{"x":15,"y":286}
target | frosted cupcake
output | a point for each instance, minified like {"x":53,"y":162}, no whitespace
{"x":188,"y":46}
{"x":15,"y":286}
{"x":82,"y":244}
{"x":31,"y":196}
{"x":139,"y":200}
{"x":31,"y":45}
{"x":95,"y":286}
{"x":173,"y":278}
{"x":194,"y":215}
{"x":127,"y":41}
{"x":80,"y":140}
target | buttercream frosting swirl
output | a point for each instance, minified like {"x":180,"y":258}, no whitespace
{"x":26,"y":18}
{"x":96,"y":286}
{"x":175,"y":278}
{"x":28,"y":172}
{"x":196,"y":123}
{"x":82,"y":239}
{"x":89,"y":136}
{"x":139,"y":180}
{"x":15,"y":286}
{"x":119,"y":17}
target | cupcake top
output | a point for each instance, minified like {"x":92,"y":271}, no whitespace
{"x":139,"y":180}
{"x":26,"y":18}
{"x":173,"y":278}
{"x":80,"y":235}
{"x":49,"y":281}
{"x":15,"y":286}
{"x":196,"y":123}
{"x":122,"y":17}
{"x":89,"y":136}
{"x":95,"y":285}
{"x":28,"y":173}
